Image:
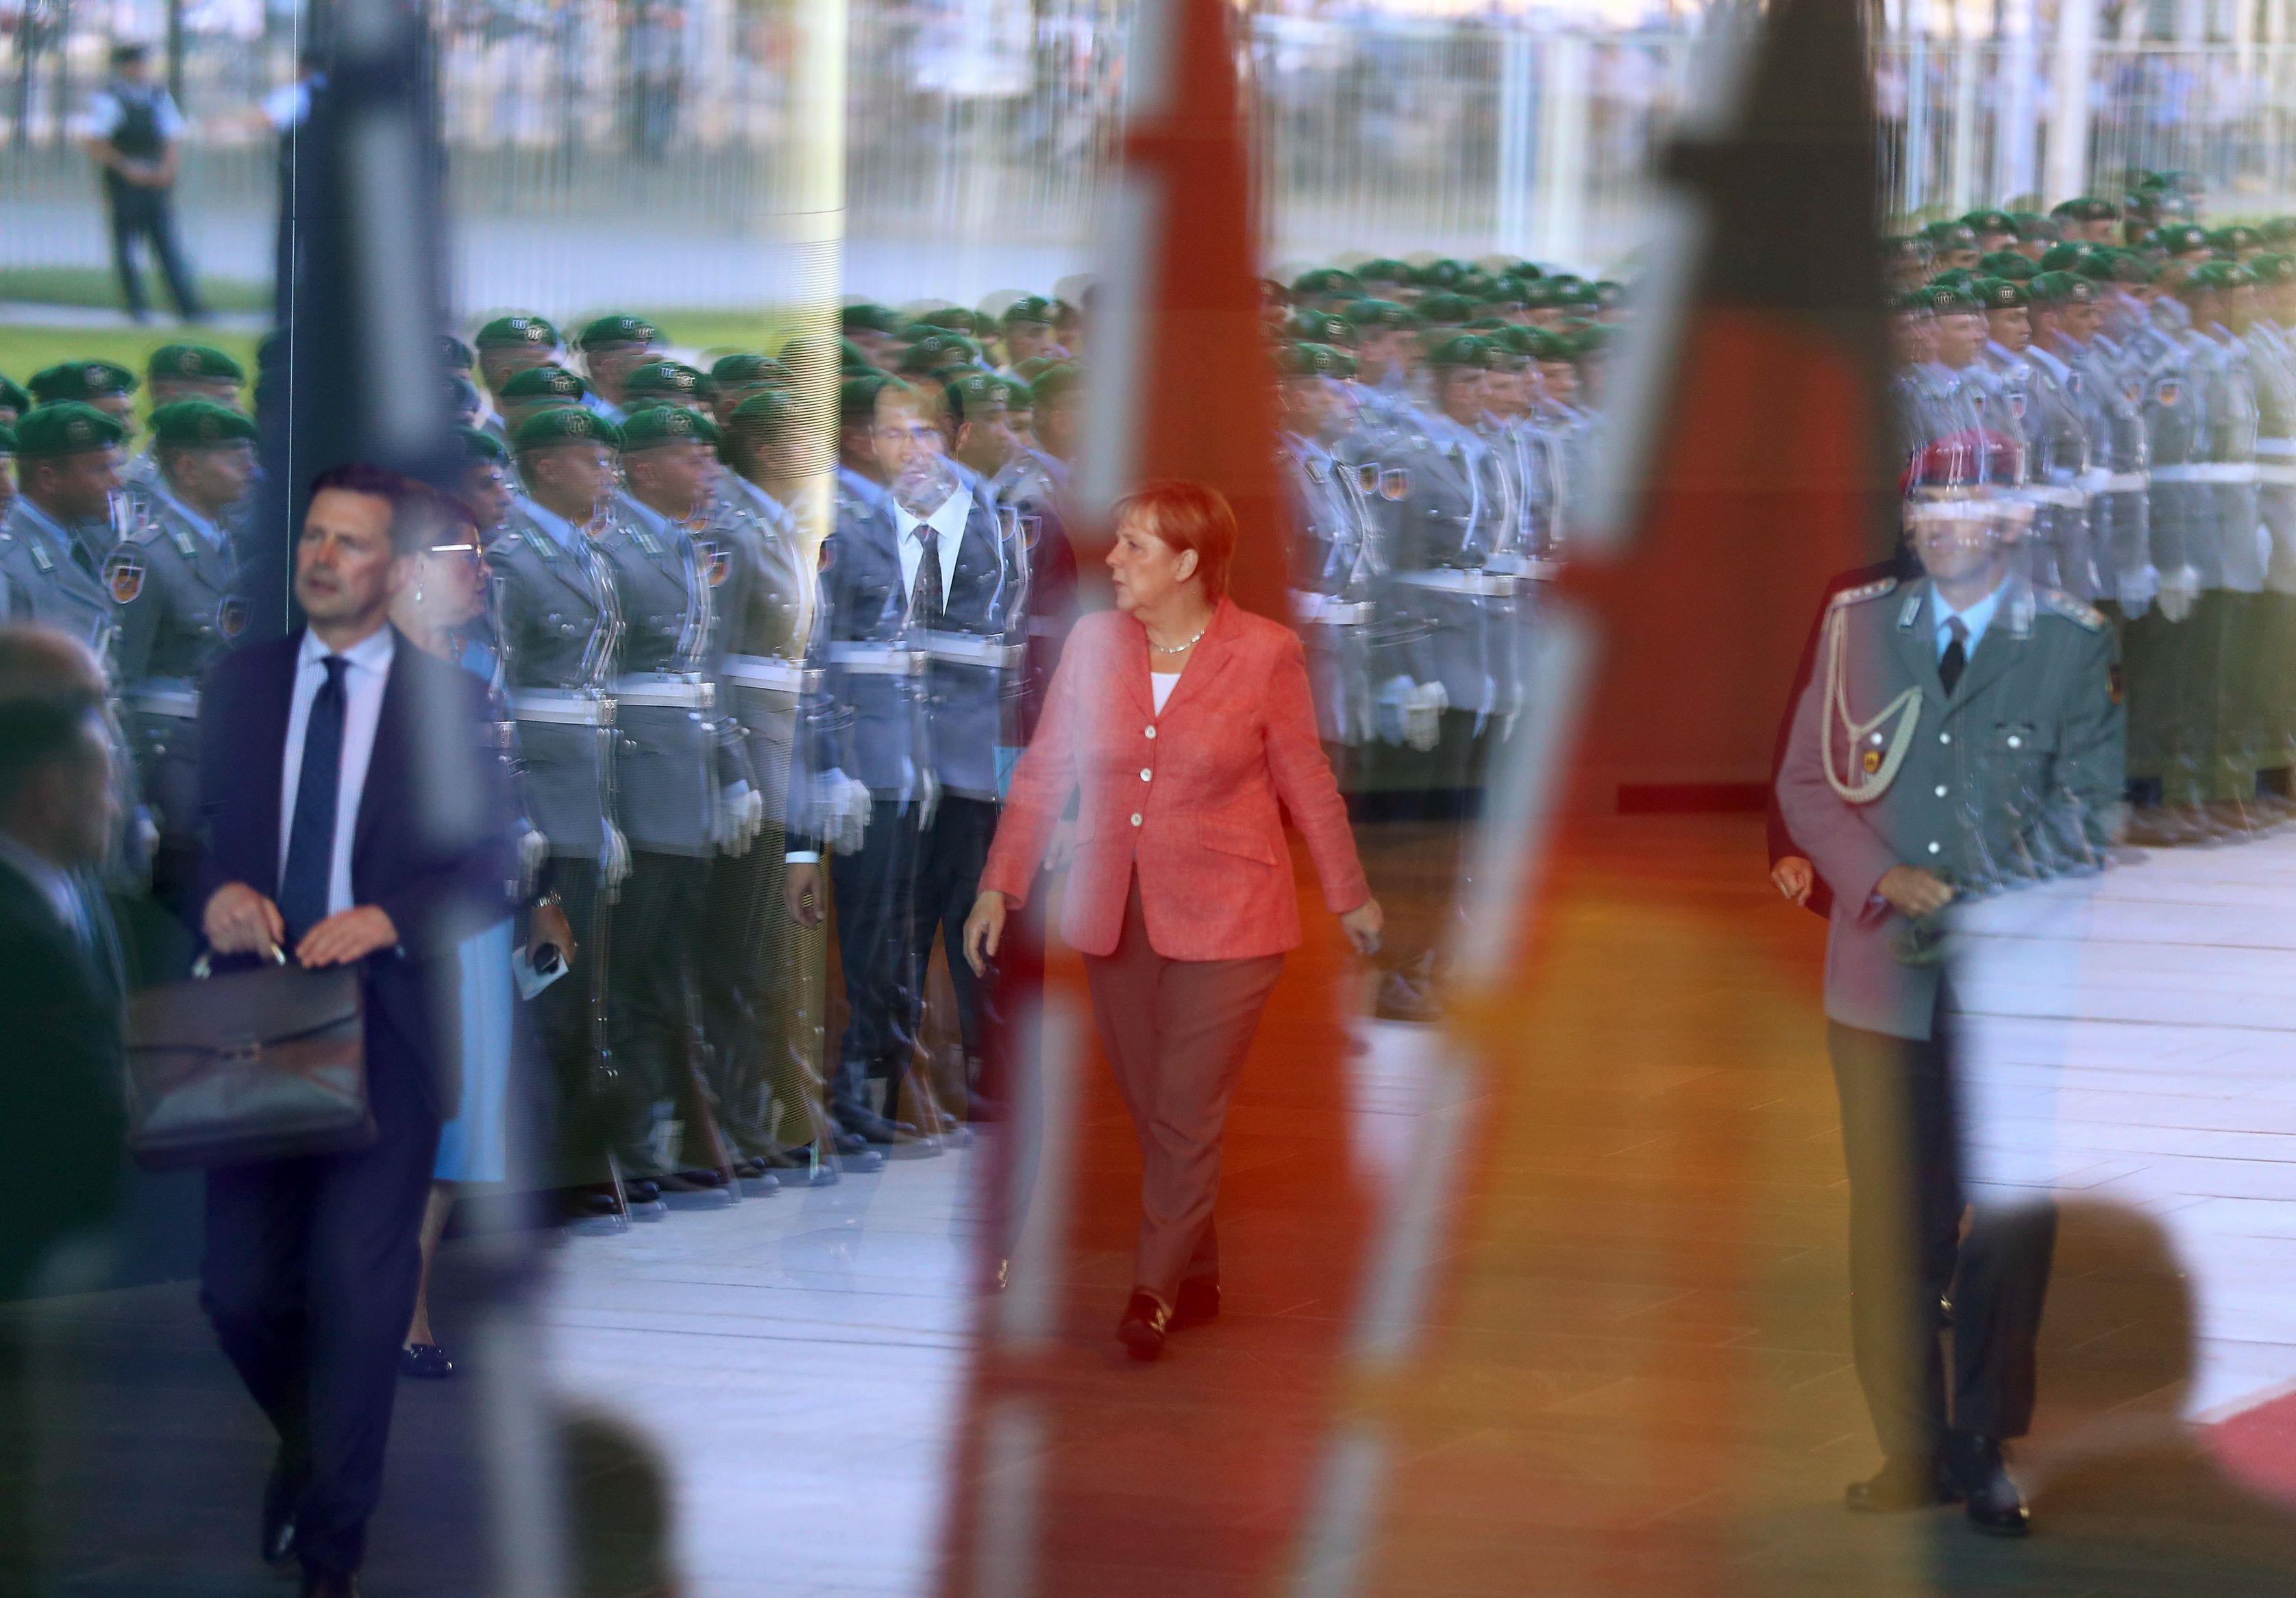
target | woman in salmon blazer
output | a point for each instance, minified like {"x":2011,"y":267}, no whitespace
{"x":1184,"y":724}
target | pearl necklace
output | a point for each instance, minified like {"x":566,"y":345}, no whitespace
{"x":1174,"y":648}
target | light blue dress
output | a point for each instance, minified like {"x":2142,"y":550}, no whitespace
{"x":475,"y":1146}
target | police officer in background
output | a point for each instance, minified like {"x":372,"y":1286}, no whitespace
{"x":175,"y":577}
{"x":682,"y":780}
{"x":558,"y":625}
{"x":135,"y":133}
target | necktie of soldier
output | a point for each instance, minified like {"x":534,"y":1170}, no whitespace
{"x":311,"y":836}
{"x":1956,"y":653}
{"x":925,"y":599}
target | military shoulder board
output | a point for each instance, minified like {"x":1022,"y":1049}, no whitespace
{"x":182,"y":538}
{"x":1863,"y":591}
{"x":144,"y":532}
{"x":540,"y":542}
{"x":2082,"y":614}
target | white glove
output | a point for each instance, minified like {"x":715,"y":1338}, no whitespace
{"x":1388,"y":707}
{"x":929,"y":802}
{"x":613,"y":858}
{"x":2136,"y":590}
{"x":734,"y":829}
{"x":1422,"y":716}
{"x":2180,"y":591}
{"x":533,"y":849}
{"x":841,"y":805}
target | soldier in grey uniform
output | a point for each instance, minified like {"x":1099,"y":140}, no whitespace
{"x":558,"y":625}
{"x":175,"y":577}
{"x":2044,"y":393}
{"x":1337,"y":564}
{"x":612,"y":346}
{"x":506,"y":347}
{"x":106,"y":385}
{"x":753,"y":995}
{"x":1449,"y":619}
{"x":1944,"y":718}
{"x":2273,"y":362}
{"x":682,"y":780}
{"x":735,"y":378}
{"x":536,"y":389}
{"x":184,"y":371}
{"x":57,"y":535}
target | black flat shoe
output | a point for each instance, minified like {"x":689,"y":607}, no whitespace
{"x":1905,"y":1482}
{"x":425,"y":1362}
{"x":1199,"y":1302}
{"x":1974,"y":1470}
{"x":1144,"y":1327}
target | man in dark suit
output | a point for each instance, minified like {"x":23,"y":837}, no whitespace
{"x":60,"y":990}
{"x":348,"y":818}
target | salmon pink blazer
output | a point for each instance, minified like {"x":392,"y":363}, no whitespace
{"x":1188,"y":800}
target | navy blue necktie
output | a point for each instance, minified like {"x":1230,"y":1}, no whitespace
{"x":1956,"y":653}
{"x":311,"y":836}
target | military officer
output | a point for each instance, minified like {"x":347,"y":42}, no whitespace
{"x":735,"y":378}
{"x":760,"y":974}
{"x":682,"y":779}
{"x":510,"y":345}
{"x":486,"y":487}
{"x":667,"y":383}
{"x":1336,"y":561}
{"x":175,"y":579}
{"x":1027,"y":327}
{"x":558,"y":623}
{"x":874,"y":332}
{"x":183,"y":371}
{"x":1386,"y":351}
{"x":58,"y":532}
{"x":613,"y":346}
{"x":2040,"y":392}
{"x":540,"y":389}
{"x":1949,"y":719}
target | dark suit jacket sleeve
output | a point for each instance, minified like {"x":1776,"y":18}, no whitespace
{"x":465,"y":860}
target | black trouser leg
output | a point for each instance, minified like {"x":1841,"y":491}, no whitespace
{"x":875,"y":897}
{"x":174,"y":265}
{"x":951,"y":853}
{"x":569,"y":1027}
{"x":649,"y":988}
{"x":727,"y":968}
{"x":126,"y":224}
{"x":1413,"y":809}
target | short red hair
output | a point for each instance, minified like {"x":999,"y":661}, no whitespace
{"x":1187,"y":516}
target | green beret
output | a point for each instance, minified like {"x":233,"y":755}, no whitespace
{"x":565,"y":424}
{"x":1913,"y":303}
{"x":13,"y":395}
{"x":673,"y":381}
{"x":1989,"y":222}
{"x":2272,"y":268}
{"x":1305,"y":359}
{"x":1593,"y":339}
{"x":481,"y":444}
{"x":81,"y":381}
{"x":2060,"y":288}
{"x":2008,"y":263}
{"x":194,"y":361}
{"x":1506,"y":292}
{"x":1484,"y":326}
{"x":659,"y":424}
{"x":1541,"y":344}
{"x":1030,"y":310}
{"x":453,"y":354}
{"x":1018,"y":395}
{"x":1318,"y":327}
{"x":1957,"y":278}
{"x":972,"y":392}
{"x":1056,"y":382}
{"x":1904,"y":248}
{"x":1384,"y":270}
{"x":762,"y":418}
{"x":1999,"y":294}
{"x":518,"y":331}
{"x":2065,"y":257}
{"x":2086,"y":208}
{"x":2278,"y":230}
{"x":857,"y":395}
{"x":747,"y":371}
{"x":2182,"y":238}
{"x":1381,"y":314}
{"x":1563,"y":285}
{"x":1458,"y":350}
{"x":2032,"y":226}
{"x":938,"y":351}
{"x":195,"y":422}
{"x":1326,"y":280}
{"x":2236,"y":238}
{"x":617,"y":329}
{"x":1948,"y":299}
{"x":547,"y":381}
{"x":1036,"y":365}
{"x":867,"y":318}
{"x":951,"y":318}
{"x":1445,"y":310}
{"x":1440,"y":275}
{"x":65,"y":427}
{"x":7,"y":439}
{"x":1949,"y":235}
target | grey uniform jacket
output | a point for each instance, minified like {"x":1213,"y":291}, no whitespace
{"x":53,"y":576}
{"x":173,"y":576}
{"x":1453,"y":617}
{"x":558,"y":625}
{"x":865,"y":712}
{"x":1336,"y":568}
{"x":2033,"y":713}
{"x":761,"y":614}
{"x":2273,"y":362}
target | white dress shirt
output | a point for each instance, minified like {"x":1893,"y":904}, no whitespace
{"x":948,"y":521}
{"x":364,"y":680}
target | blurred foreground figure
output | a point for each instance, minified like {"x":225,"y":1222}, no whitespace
{"x":1956,"y":727}
{"x":350,"y":818}
{"x":60,"y":1120}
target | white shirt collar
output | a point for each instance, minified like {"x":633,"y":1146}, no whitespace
{"x":372,"y":653}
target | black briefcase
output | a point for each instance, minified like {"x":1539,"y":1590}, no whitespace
{"x":251,"y":1065}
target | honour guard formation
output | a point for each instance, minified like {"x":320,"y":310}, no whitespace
{"x":759,"y":735}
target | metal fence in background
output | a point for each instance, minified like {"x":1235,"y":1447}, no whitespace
{"x":637,"y":151}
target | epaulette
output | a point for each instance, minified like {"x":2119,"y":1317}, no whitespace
{"x":540,"y":542}
{"x":2078,"y":611}
{"x":144,"y":532}
{"x":1864,"y":592}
